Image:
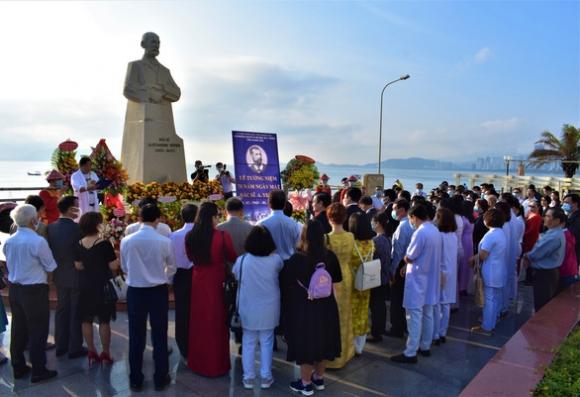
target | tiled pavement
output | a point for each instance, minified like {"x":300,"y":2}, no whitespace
{"x":444,"y":374}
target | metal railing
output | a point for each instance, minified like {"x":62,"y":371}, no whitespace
{"x":18,"y":189}
{"x":507,"y":183}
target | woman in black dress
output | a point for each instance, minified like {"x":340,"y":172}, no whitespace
{"x":96,"y":260}
{"x":312,"y":326}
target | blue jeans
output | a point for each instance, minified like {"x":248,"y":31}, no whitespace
{"x":420,"y":328}
{"x":492,"y":306}
{"x":249,"y":341}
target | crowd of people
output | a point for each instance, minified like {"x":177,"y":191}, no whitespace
{"x":294,"y":281}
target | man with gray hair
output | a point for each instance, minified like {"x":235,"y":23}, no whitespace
{"x":28,"y":259}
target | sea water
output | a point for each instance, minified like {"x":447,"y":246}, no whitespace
{"x":15,"y":174}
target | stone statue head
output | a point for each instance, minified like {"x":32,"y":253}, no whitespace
{"x":150,"y":42}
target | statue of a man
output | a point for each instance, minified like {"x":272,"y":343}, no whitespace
{"x":147,"y":80}
{"x":151,"y":150}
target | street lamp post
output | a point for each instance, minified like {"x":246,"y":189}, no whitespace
{"x":507,"y":160}
{"x":404,"y":77}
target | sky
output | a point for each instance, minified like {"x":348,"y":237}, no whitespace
{"x":486,"y":77}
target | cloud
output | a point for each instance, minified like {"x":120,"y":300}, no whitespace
{"x":391,"y":18}
{"x":483,"y":55}
{"x":249,"y":93}
{"x":505,"y":125}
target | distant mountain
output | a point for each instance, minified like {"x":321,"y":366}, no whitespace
{"x":417,"y":163}
{"x":477,"y":164}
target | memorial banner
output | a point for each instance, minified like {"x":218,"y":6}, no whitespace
{"x":257,"y":170}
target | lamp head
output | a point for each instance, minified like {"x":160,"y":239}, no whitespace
{"x":405,"y":77}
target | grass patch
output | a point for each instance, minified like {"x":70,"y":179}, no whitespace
{"x":562,"y":378}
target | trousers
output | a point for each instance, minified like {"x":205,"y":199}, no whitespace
{"x":378,"y":307}
{"x":30,"y":318}
{"x":441,"y":313}
{"x":249,"y":340}
{"x":67,"y":322}
{"x":420,"y":328}
{"x":545,"y":286}
{"x":152,"y":302}
{"x":492,"y":306}
{"x":397,"y":312}
{"x":182,"y":293}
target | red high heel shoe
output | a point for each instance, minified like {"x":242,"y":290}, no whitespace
{"x":106,"y":358}
{"x":93,"y":358}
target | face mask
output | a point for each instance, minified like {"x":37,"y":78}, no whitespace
{"x":394,"y":215}
{"x":59,"y":184}
{"x":567,"y":207}
{"x":484,"y":196}
{"x":476,"y":209}
{"x":413,"y":226}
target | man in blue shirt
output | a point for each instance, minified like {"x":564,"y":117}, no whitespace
{"x":547,"y":256}
{"x":401,"y":240}
{"x":283,"y":229}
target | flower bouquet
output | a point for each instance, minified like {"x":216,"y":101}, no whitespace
{"x":300,"y":201}
{"x":300,"y":173}
{"x":171,"y":196}
{"x":114,"y":231}
{"x":108,"y":168}
{"x":64,"y":160}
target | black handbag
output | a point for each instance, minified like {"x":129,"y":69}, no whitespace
{"x":235,"y":322}
{"x":230,"y":287}
{"x":109,"y":293}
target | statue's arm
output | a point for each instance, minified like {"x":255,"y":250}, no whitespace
{"x":172,"y":91}
{"x":134,"y":88}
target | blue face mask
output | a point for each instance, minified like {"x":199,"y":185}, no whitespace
{"x":394,"y":215}
{"x":413,"y":226}
{"x":567,"y":207}
{"x":476,"y":209}
{"x":59,"y":184}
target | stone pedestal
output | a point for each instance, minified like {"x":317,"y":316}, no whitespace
{"x":152,"y":151}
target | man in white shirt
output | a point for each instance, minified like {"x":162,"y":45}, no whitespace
{"x":182,"y":279}
{"x":531,"y":197}
{"x":28,"y":259}
{"x":84,"y":183}
{"x":283,"y":229}
{"x":148,"y":261}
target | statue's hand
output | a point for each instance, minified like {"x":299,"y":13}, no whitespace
{"x":156,"y":94}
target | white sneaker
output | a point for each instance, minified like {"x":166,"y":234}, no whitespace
{"x":267,"y":383}
{"x":248,"y":383}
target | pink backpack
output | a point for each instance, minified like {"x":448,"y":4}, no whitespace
{"x":320,"y":285}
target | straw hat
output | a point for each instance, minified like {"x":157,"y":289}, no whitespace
{"x":54,"y":176}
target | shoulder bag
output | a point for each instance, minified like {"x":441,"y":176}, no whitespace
{"x":478,"y":283}
{"x":368,"y":274}
{"x":230,"y":287}
{"x":235,"y":321}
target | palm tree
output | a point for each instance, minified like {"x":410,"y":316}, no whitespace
{"x":565,"y":150}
